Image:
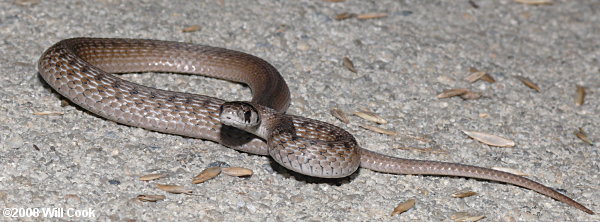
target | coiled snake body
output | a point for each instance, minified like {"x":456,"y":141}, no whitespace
{"x":80,"y":68}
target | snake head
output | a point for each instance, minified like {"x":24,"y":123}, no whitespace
{"x":241,"y":115}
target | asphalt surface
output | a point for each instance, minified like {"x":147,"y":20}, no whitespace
{"x":75,"y":162}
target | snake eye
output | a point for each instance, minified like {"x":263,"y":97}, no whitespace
{"x":247,"y":116}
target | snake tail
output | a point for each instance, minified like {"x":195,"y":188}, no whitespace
{"x":387,"y":164}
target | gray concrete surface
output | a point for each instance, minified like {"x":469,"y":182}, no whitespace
{"x":404,"y":60}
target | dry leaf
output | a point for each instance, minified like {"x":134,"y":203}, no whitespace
{"x":488,"y":78}
{"x":370,"y":116}
{"x":150,"y":198}
{"x":344,"y":15}
{"x":583,"y":136}
{"x":464,"y":217}
{"x":404,"y":206}
{"x":206,"y":174}
{"x":379,"y":130}
{"x":464,"y":194}
{"x":49,"y":113}
{"x":237,"y":171}
{"x":474,"y":76}
{"x":510,"y":170}
{"x":422,"y":139}
{"x":452,"y":92}
{"x":152,"y":176}
{"x":192,"y":28}
{"x":528,"y":83}
{"x":176,"y":189}
{"x":580,"y":96}
{"x":470,"y":95}
{"x":373,"y":15}
{"x":27,"y":3}
{"x":349,"y":64}
{"x":477,"y":75}
{"x":339,"y":114}
{"x":535,"y":2}
{"x":490,"y":139}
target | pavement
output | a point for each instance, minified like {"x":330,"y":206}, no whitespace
{"x":56,"y":157}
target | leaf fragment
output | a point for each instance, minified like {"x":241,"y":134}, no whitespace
{"x":474,"y":76}
{"x":370,"y":116}
{"x":488,"y":78}
{"x":373,"y":15}
{"x":479,"y":75}
{"x":152,"y":176}
{"x":464,"y":217}
{"x":206,"y":174}
{"x":490,"y":139}
{"x":528,"y":83}
{"x":339,"y":114}
{"x":583,"y":136}
{"x":535,"y":2}
{"x":463,"y":194}
{"x":580,"y":99}
{"x":379,"y":130}
{"x":470,"y":95}
{"x":344,"y":16}
{"x":349,"y":64}
{"x":150,"y":198}
{"x":176,"y":189}
{"x":192,"y":28}
{"x":49,"y":113}
{"x":404,"y":206}
{"x":26,"y":3}
{"x":237,"y":171}
{"x":452,"y":92}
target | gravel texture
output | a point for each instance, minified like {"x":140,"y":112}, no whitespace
{"x":76,"y":160}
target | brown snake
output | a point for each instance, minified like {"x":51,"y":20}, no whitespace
{"x":79,"y":69}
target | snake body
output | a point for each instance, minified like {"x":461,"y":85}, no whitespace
{"x":80,"y":70}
